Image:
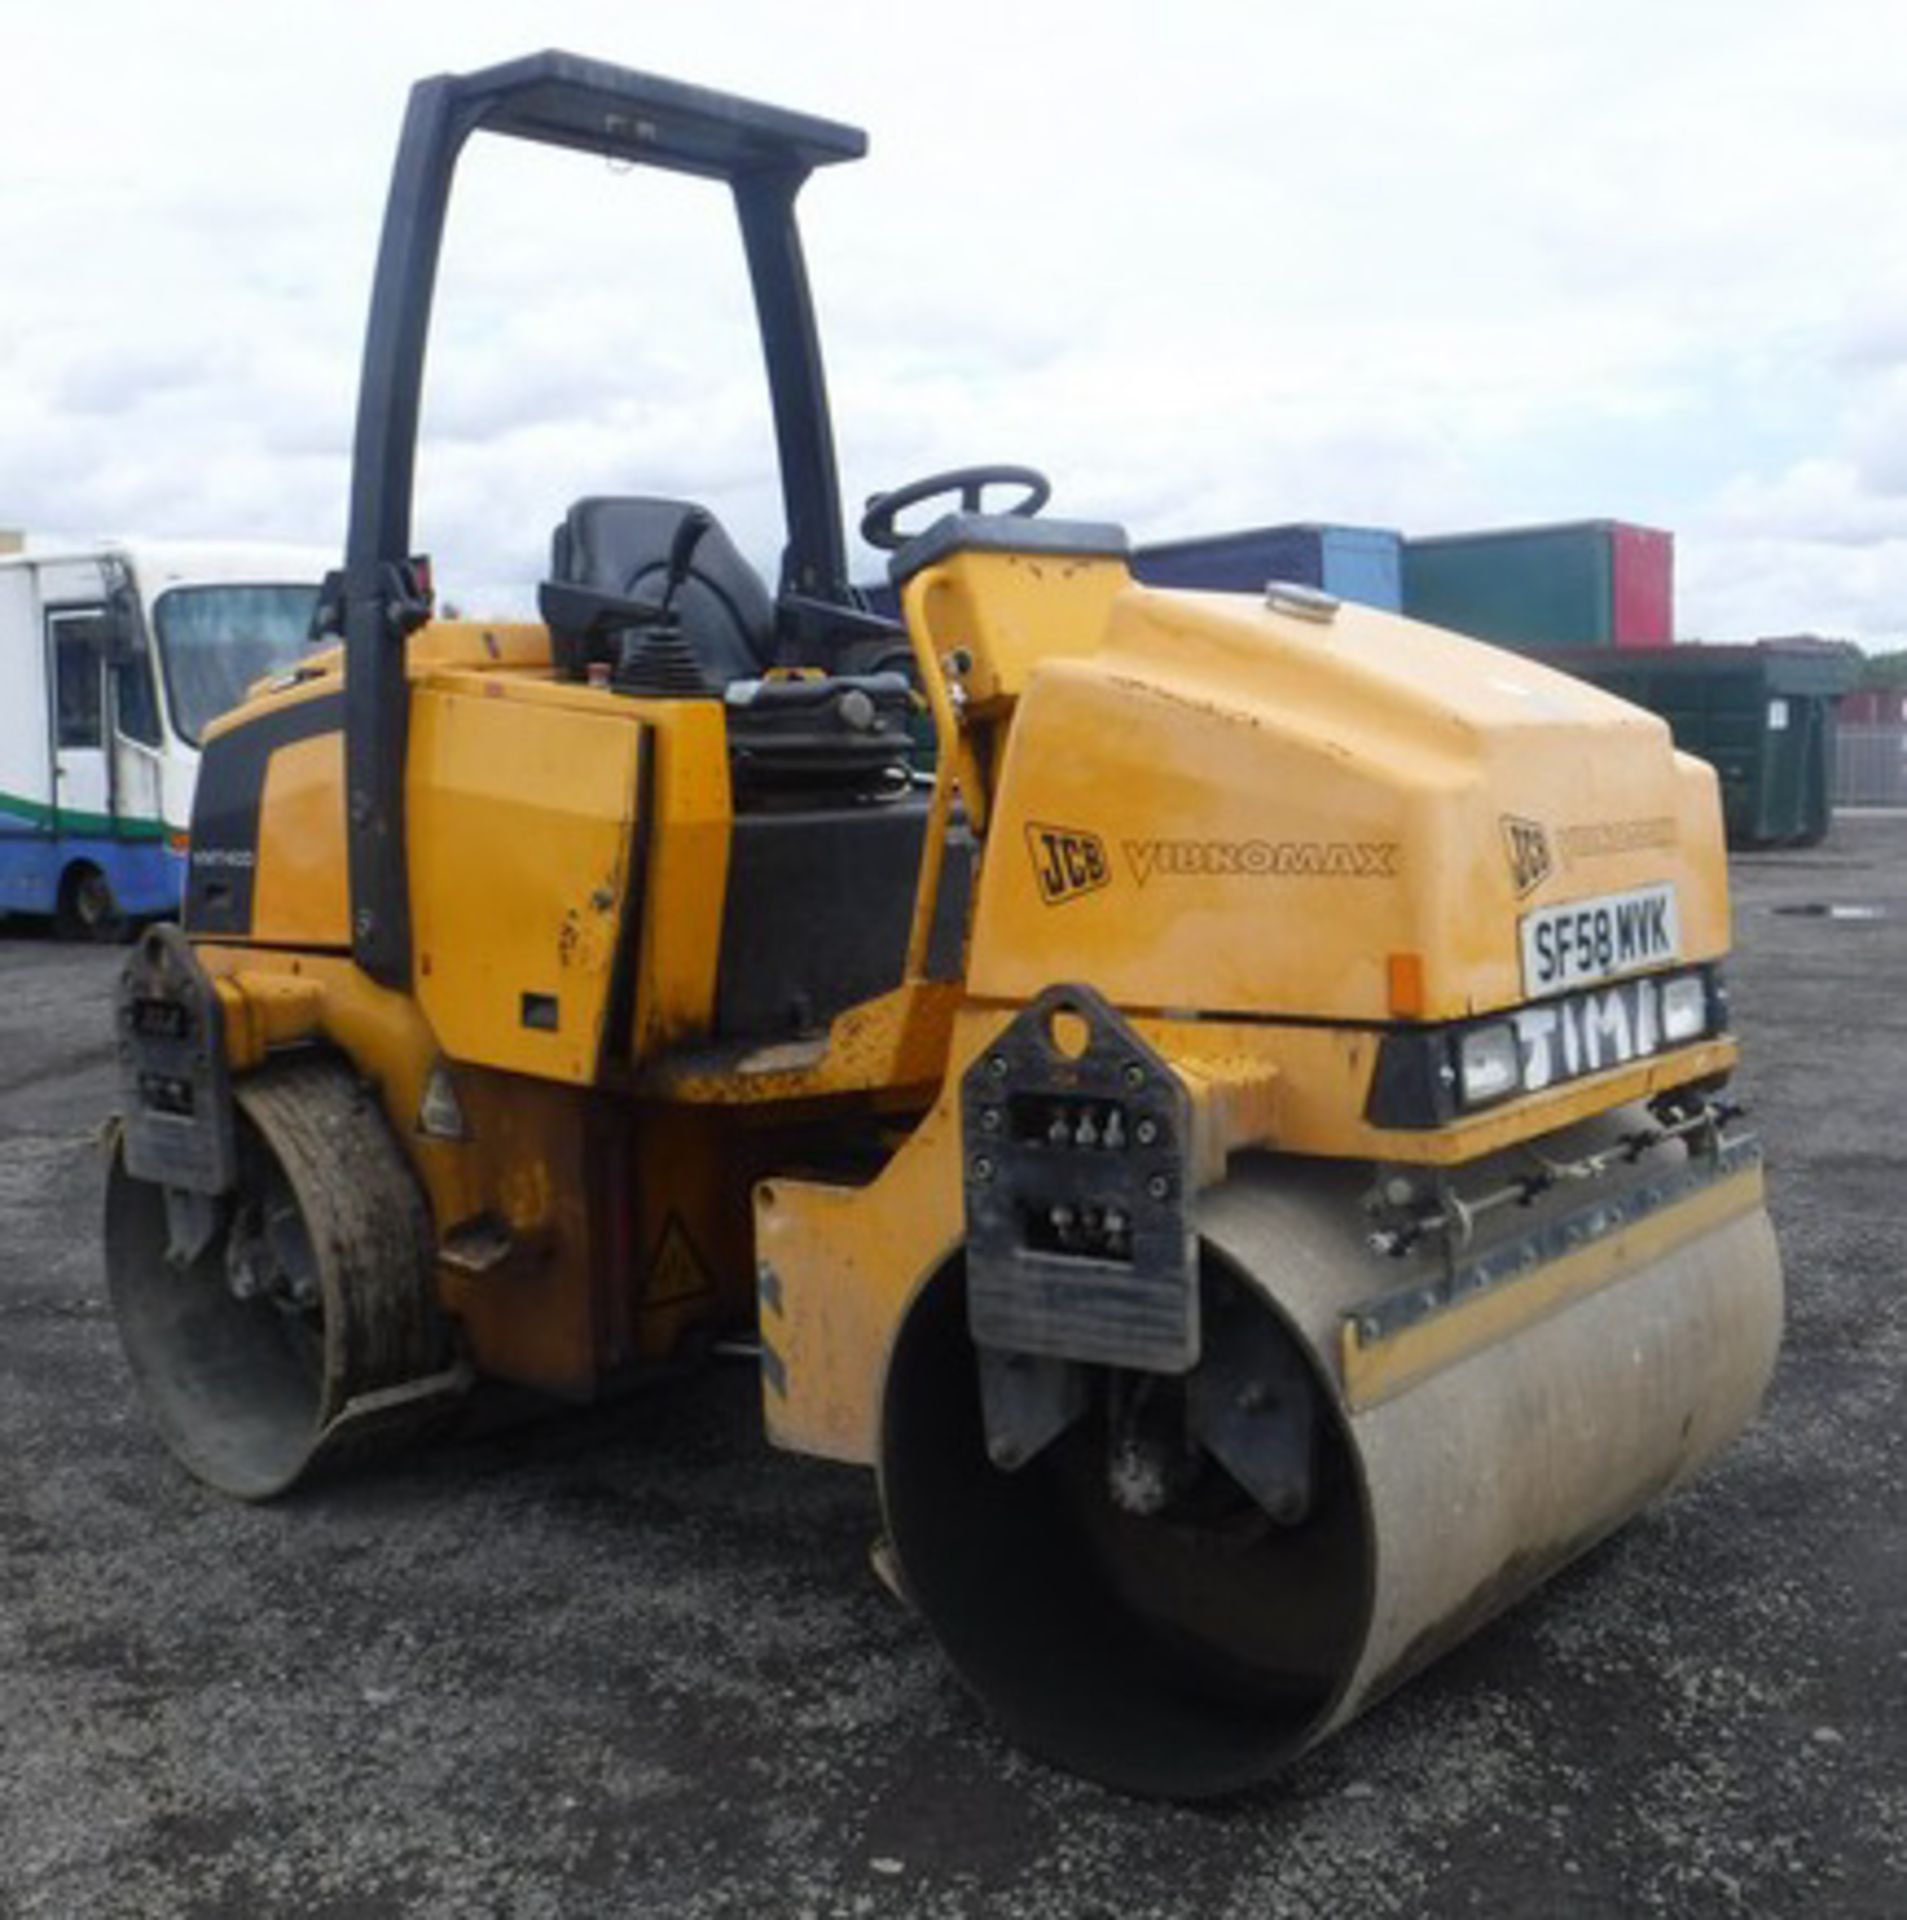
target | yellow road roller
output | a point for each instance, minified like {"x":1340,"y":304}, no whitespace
{"x":1220,"y":1100}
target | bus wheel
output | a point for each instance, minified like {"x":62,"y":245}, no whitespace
{"x":87,"y":909}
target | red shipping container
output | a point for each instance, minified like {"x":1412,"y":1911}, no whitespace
{"x":1641,"y":586}
{"x":1874,"y":707}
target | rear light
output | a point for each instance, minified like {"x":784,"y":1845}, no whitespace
{"x":1684,"y":1008}
{"x":1489,"y":1063}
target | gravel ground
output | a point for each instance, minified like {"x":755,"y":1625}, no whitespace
{"x":634,"y":1662}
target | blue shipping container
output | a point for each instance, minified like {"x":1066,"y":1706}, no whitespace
{"x":1364,"y":564}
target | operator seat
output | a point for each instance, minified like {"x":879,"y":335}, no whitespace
{"x":620,"y":545}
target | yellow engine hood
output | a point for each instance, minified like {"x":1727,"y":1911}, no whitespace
{"x":1234,"y":809}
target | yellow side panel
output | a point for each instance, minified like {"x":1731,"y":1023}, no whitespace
{"x":839,"y":1265}
{"x":538,"y":1318}
{"x":837,"y":1268}
{"x":692,"y":1256}
{"x":521,"y":815}
{"x":300,"y":887}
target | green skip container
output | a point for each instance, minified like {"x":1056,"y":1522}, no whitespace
{"x":1761,"y":715}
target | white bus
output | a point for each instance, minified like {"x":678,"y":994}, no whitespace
{"x":113,"y":657}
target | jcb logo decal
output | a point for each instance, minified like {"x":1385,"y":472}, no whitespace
{"x":1066,"y":862}
{"x":1528,"y":848}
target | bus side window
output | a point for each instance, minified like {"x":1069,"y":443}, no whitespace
{"x":135,"y":703}
{"x":79,"y":693}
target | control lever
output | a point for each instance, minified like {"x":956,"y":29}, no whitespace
{"x":688,"y":536}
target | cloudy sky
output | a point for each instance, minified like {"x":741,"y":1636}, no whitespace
{"x":1430,"y":266}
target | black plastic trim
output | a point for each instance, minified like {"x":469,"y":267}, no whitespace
{"x":223,"y":856}
{"x":566,"y":100}
{"x":1415,"y":1083}
{"x":617,"y":1048}
{"x":814,"y":564}
{"x":818,"y":907}
{"x":173,"y":1079}
{"x":1008,"y":533}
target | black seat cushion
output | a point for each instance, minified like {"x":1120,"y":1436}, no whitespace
{"x":621,"y":546}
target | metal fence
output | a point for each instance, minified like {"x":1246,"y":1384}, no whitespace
{"x":1870,"y":766}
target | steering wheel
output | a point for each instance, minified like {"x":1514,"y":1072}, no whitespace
{"x":877,"y":523}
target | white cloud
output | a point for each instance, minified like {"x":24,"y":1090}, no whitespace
{"x":1817,"y":502}
{"x":1215,"y":265}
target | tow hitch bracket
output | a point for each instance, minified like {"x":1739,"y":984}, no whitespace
{"x":1076,"y":1138}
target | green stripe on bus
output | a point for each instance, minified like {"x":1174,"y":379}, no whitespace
{"x":75,"y":820}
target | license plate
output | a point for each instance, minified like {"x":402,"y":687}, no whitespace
{"x":1588,"y":940}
